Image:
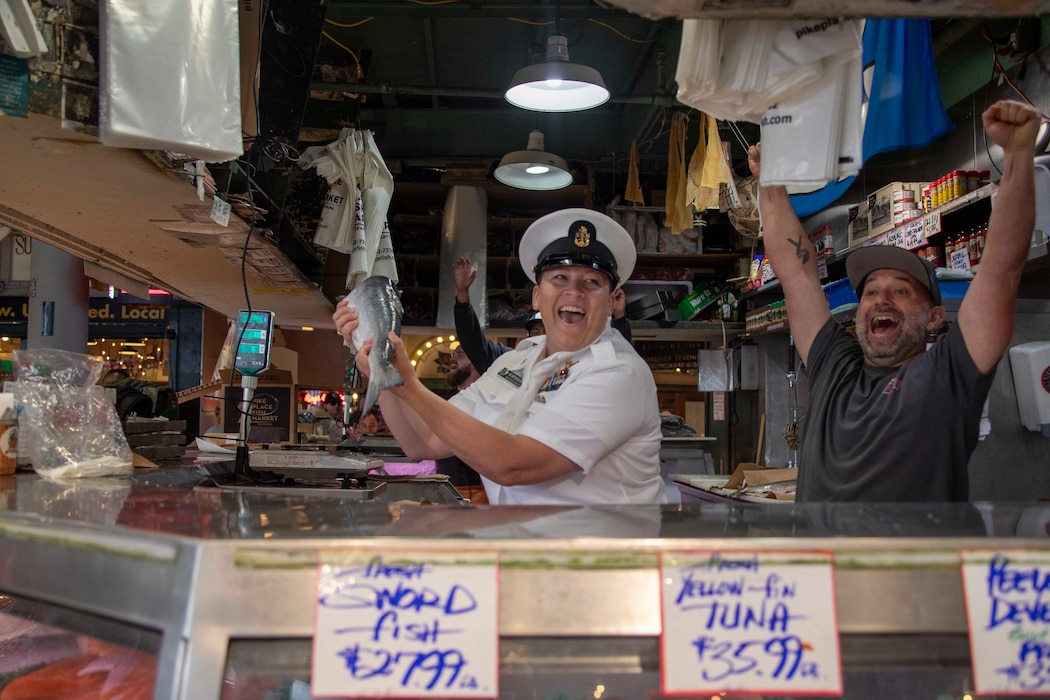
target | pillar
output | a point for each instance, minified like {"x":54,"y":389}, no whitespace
{"x":58,"y":300}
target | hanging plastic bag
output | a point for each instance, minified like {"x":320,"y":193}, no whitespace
{"x":334,"y":162}
{"x":799,"y":50}
{"x":376,"y":189}
{"x":800,"y":136}
{"x":69,"y":423}
{"x":699,"y":59}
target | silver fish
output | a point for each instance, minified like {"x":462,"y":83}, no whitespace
{"x":379,"y":311}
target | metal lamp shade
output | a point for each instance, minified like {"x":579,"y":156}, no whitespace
{"x":557,"y":85}
{"x":534,"y":168}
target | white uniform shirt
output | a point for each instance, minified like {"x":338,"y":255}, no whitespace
{"x":603,"y":415}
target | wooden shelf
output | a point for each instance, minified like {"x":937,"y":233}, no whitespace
{"x":695,"y":331}
{"x":687,"y":259}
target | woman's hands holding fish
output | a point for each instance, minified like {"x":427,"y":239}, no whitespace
{"x":400,"y":359}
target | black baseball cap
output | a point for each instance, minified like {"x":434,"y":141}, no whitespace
{"x":866,"y":260}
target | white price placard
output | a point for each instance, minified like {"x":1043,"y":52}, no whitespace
{"x":914,"y":234}
{"x":749,"y":622}
{"x":1008,"y":611}
{"x":822,"y":267}
{"x":959,"y":259}
{"x":931,"y":223}
{"x":896,"y":237}
{"x":402,"y":624}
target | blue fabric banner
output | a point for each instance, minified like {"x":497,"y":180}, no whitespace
{"x":905,"y":109}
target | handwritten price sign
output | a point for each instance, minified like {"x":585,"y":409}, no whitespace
{"x":1008,"y":609}
{"x":397,"y":625}
{"x":750,"y":623}
{"x":914,"y":234}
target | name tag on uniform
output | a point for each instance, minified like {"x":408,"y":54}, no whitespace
{"x":511,"y":376}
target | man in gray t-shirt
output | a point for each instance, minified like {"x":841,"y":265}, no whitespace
{"x":887,"y":420}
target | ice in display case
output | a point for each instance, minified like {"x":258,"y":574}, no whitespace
{"x":214,"y":591}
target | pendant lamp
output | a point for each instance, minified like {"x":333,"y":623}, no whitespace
{"x":534,"y":168}
{"x":557,"y":85}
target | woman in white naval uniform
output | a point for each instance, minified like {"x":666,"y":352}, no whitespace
{"x":566,"y":418}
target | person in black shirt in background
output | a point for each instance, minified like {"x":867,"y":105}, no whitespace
{"x":481,"y":350}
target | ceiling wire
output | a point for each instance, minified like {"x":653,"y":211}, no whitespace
{"x":344,"y":47}
{"x":349,"y":25}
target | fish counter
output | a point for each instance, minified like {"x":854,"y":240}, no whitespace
{"x":159,"y":586}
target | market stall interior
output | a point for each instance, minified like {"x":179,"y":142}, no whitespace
{"x":426,"y":85}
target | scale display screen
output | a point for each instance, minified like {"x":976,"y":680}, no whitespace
{"x":254,"y":336}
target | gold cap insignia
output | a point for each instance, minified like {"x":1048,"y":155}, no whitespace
{"x":582,"y":238}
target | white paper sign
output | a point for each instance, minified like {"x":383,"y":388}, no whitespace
{"x":959,"y":259}
{"x":896,"y":237}
{"x":749,"y":622}
{"x":914,"y":234}
{"x":931,"y":223}
{"x":406,"y":625}
{"x":1008,"y":611}
{"x":220,"y":212}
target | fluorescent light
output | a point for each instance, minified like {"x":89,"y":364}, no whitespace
{"x":557,"y":85}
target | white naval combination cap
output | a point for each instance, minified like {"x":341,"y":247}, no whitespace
{"x":581,"y":238}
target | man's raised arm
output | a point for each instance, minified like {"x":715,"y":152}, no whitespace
{"x":794,"y":261}
{"x":986,"y":315}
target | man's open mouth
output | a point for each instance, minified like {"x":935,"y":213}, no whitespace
{"x":883,"y":323}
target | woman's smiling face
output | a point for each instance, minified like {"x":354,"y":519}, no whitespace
{"x":575,"y":303}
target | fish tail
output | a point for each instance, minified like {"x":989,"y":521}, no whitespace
{"x":370,"y":398}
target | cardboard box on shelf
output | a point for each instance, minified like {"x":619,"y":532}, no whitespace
{"x":273,"y":409}
{"x":858,"y":224}
{"x":880,"y":205}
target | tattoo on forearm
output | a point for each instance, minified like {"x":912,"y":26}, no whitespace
{"x":800,"y":252}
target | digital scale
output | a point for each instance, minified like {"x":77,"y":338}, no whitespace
{"x":338,"y":472}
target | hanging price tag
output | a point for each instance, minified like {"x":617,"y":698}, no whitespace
{"x":220,"y":212}
{"x":914,"y":234}
{"x":896,"y":237}
{"x":1007,"y":616}
{"x":822,"y":267}
{"x":406,"y":625}
{"x":749,"y":622}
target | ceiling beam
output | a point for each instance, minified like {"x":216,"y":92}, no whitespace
{"x":375,"y":89}
{"x":344,"y":10}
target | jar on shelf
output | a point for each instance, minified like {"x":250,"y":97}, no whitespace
{"x":935,"y":254}
{"x":957,"y":178}
{"x":973,"y":247}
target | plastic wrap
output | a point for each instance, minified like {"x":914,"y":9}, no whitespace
{"x":67,"y":423}
{"x":170,"y":77}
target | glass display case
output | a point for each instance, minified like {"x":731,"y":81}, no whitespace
{"x":168,"y":590}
